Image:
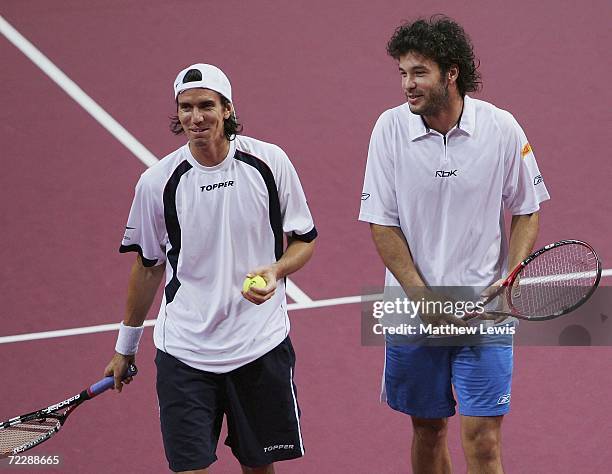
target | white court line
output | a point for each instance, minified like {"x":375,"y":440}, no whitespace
{"x":565,"y":277}
{"x":76,"y":93}
{"x":295,"y":293}
{"x":98,"y":113}
{"x":150,"y":322}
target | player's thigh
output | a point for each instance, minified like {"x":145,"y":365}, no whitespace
{"x":191,"y":412}
{"x":482,"y":379}
{"x":418,"y":380}
{"x":263,"y":411}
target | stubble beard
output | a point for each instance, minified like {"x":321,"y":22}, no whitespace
{"x":436,"y":101}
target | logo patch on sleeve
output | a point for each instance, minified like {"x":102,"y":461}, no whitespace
{"x":526,"y":150}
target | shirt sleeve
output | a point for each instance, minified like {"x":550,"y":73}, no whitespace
{"x":145,"y":231}
{"x":523,"y":188}
{"x":378,"y":199}
{"x":296,"y":216}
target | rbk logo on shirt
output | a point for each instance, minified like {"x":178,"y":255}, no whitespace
{"x":446,"y":174}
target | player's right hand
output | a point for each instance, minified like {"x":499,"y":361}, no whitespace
{"x":261,"y":295}
{"x":118,"y":366}
{"x":439,"y":318}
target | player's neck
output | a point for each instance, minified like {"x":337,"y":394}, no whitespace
{"x":447,"y":117}
{"x":209,"y":153}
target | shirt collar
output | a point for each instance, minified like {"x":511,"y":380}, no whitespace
{"x":212,"y":169}
{"x":467,"y":121}
{"x":416,"y":125}
{"x":418,"y":128}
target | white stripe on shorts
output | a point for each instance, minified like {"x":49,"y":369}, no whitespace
{"x":295,"y":407}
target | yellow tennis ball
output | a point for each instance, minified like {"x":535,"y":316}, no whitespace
{"x":257,"y":281}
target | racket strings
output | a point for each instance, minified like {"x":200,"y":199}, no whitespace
{"x":555,"y":281}
{"x":18,"y":435}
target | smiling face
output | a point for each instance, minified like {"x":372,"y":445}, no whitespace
{"x":202,"y":114}
{"x":423,"y":84}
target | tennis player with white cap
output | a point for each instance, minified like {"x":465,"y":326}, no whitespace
{"x":221,"y":207}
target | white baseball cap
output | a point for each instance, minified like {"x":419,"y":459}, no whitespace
{"x":213,"y":78}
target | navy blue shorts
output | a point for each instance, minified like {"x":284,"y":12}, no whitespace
{"x":259,"y":400}
{"x":419,"y":379}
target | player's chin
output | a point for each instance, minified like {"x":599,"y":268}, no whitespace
{"x":416,"y":109}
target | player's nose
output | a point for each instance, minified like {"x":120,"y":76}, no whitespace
{"x":196,"y":115}
{"x":410,"y":84}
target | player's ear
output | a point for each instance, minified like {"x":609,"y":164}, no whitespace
{"x":453,"y":73}
{"x":229,"y":110}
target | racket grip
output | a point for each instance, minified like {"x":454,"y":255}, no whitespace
{"x":469,"y":317}
{"x":109,"y":382}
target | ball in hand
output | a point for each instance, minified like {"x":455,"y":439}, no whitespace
{"x":256,"y":281}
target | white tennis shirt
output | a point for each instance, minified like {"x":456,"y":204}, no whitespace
{"x":211,"y":225}
{"x":448,"y":193}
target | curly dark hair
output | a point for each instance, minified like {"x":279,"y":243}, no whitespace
{"x":231,"y":126}
{"x":442,"y":40}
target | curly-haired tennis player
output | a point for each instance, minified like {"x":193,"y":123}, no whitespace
{"x":442,"y":169}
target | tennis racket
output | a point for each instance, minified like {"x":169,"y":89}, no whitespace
{"x":26,"y":431}
{"x":549,"y":283}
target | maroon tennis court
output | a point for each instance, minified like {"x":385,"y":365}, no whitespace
{"x":311,"y":77}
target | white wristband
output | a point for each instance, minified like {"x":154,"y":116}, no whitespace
{"x":128,"y":339}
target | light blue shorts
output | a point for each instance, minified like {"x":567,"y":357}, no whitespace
{"x":419,"y":379}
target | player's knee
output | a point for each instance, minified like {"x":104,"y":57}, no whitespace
{"x":432,"y":430}
{"x":483,"y":444}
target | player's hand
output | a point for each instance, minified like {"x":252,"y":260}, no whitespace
{"x":439,"y":318}
{"x":261,"y":295}
{"x":502,"y":303}
{"x":118,"y":366}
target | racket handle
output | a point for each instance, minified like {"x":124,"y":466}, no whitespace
{"x":492,"y":296}
{"x":109,"y":382}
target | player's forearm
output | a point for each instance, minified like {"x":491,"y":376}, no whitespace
{"x":395,"y":254}
{"x":142,"y":287}
{"x":295,"y":257}
{"x":523,"y":235}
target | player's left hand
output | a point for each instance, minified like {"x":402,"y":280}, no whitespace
{"x":502,"y":304}
{"x":261,"y":295}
